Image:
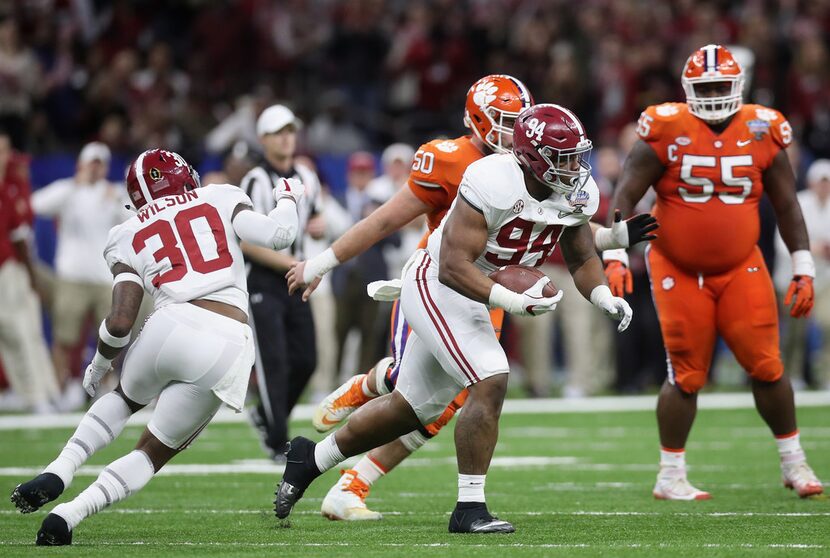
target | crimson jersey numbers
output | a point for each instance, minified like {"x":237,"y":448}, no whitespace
{"x":189,"y":254}
{"x":516,"y":235}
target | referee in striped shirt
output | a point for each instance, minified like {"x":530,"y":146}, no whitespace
{"x":284,"y":327}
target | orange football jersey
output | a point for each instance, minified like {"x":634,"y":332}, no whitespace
{"x":707,"y":198}
{"x":436,"y":173}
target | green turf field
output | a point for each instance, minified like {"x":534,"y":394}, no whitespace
{"x":572,"y":484}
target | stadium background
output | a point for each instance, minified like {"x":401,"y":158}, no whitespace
{"x":364,"y":74}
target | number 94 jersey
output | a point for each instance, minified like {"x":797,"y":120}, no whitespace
{"x":184,"y":247}
{"x":521,"y":229}
{"x":707,"y":198}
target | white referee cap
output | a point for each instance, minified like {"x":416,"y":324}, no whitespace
{"x":275,"y":118}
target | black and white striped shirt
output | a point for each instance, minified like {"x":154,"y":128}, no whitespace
{"x":259,"y":184}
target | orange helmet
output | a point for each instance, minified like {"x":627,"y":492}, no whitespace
{"x":493,"y":103}
{"x":713,"y":64}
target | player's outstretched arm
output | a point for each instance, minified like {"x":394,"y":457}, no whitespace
{"x":586,"y":269}
{"x":390,"y":217}
{"x":276,"y":231}
{"x":642,"y":168}
{"x":114,"y":332}
{"x":779,"y":184}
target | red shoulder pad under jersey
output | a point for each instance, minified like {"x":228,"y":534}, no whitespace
{"x":660,"y":125}
{"x":437,"y":169}
{"x":763,"y":121}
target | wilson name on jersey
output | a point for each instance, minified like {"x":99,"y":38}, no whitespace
{"x":184,"y":247}
{"x":521,"y":229}
{"x":707,"y":197}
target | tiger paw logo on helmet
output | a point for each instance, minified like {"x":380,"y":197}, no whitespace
{"x":485,"y":93}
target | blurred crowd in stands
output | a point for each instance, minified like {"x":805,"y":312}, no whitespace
{"x":116,"y":77}
{"x":366,"y":73}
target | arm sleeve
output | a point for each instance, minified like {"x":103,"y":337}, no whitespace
{"x":49,"y":200}
{"x":277,"y":230}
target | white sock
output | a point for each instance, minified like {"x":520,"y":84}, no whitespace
{"x":672,"y":458}
{"x":327,"y":454}
{"x":368,"y":470}
{"x":471,"y":488}
{"x":413,"y":441}
{"x":789,"y":448}
{"x":101,"y":424}
{"x":117,"y":481}
{"x":364,"y":386}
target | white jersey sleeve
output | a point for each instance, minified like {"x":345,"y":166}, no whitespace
{"x":117,"y":248}
{"x":226,"y":198}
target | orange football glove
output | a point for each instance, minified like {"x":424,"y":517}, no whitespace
{"x":801,"y":295}
{"x":620,"y":280}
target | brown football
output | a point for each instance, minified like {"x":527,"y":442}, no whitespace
{"x":519,"y":278}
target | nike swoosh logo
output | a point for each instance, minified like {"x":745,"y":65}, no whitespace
{"x":744,"y":143}
{"x":328,"y":422}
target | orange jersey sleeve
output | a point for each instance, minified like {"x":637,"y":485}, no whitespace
{"x":436,"y":173}
{"x":660,"y":126}
{"x":707,"y":197}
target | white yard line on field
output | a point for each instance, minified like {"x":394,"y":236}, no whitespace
{"x":362,"y":545}
{"x":511,"y":406}
{"x":264,"y":466}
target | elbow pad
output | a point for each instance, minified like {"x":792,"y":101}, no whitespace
{"x":277,"y":230}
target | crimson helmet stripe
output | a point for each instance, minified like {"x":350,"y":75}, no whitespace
{"x":573,"y":117}
{"x":139,"y":174}
{"x":523,"y":92}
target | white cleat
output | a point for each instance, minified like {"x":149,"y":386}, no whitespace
{"x":800,"y":477}
{"x":346,"y":500}
{"x":672,"y":484}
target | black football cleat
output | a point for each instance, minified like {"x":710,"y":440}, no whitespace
{"x":32,"y":495}
{"x":54,"y":532}
{"x":473,"y":517}
{"x":300,"y":471}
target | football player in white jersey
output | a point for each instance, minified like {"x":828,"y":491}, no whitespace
{"x":511,"y":209}
{"x":194,"y":352}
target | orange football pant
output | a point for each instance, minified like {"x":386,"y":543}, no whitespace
{"x":693,"y":309}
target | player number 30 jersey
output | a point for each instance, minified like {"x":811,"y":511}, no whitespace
{"x":184,"y":247}
{"x":521,"y":229}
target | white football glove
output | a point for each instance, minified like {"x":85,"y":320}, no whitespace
{"x":613,"y":306}
{"x":289,"y":188}
{"x":95,"y":372}
{"x":529,"y":303}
